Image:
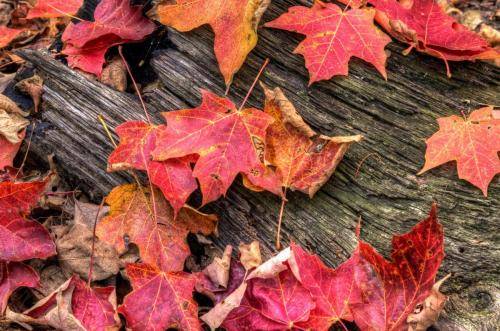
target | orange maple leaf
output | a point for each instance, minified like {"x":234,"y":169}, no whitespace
{"x":333,"y":36}
{"x":234,"y":23}
{"x":303,"y":159}
{"x":147,"y":220}
{"x":54,"y":8}
{"x":473,"y":142}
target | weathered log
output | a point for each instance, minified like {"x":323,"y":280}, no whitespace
{"x":376,"y":181}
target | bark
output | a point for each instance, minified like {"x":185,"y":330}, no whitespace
{"x":376,"y":181}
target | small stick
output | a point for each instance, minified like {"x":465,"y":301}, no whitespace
{"x":254,"y":83}
{"x":27,"y":150}
{"x":91,"y":267}
{"x":135,"y":84}
{"x":105,"y":126}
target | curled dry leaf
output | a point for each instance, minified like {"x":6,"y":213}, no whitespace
{"x":250,"y":255}
{"x":472,"y":142}
{"x":114,"y":74}
{"x":333,"y":36}
{"x":5,"y":80}
{"x":234,"y":23}
{"x":9,"y":150}
{"x":32,"y":86}
{"x":427,"y":313}
{"x":303,"y":159}
{"x":218,"y":270}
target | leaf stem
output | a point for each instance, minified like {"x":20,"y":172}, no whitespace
{"x":254,"y":83}
{"x":148,"y":118}
{"x":27,"y":150}
{"x":91,"y":267}
{"x":280,"y":219}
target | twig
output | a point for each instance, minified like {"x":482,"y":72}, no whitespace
{"x":91,"y":267}
{"x":27,"y":150}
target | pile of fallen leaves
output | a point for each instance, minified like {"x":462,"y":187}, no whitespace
{"x":131,"y":255}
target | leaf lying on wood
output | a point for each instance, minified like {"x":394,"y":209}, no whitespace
{"x":54,"y":8}
{"x":425,"y":26}
{"x":174,"y":177}
{"x":390,"y":290}
{"x":472,"y":142}
{"x":228,"y":141}
{"x":138,"y":216}
{"x":159,"y":300}
{"x":375,"y":293}
{"x":116,"y":22}
{"x":333,"y":36}
{"x":12,"y":276}
{"x":303,"y":159}
{"x":20,"y":238}
{"x":234,"y":23}
{"x":73,"y":306}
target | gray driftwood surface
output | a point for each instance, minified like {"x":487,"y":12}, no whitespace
{"x":395,"y":116}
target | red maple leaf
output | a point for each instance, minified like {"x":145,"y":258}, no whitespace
{"x":20,"y":238}
{"x":54,"y":8}
{"x":7,"y":35}
{"x":332,"y":289}
{"x":174,"y":177}
{"x":93,"y":307}
{"x":116,"y":22}
{"x":278,"y":303}
{"x":333,"y":36}
{"x":228,"y":141}
{"x":148,"y":222}
{"x":390,"y":290}
{"x":234,"y":23}
{"x":159,"y":300}
{"x":12,"y":276}
{"x":473,"y":142}
{"x":425,"y":26}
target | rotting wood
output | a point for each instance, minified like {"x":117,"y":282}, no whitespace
{"x":394,"y":116}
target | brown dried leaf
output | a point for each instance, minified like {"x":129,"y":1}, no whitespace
{"x":115,"y":75}
{"x":218,"y":270}
{"x":11,"y":125}
{"x":250,"y":255}
{"x":32,"y":86}
{"x":427,"y":313}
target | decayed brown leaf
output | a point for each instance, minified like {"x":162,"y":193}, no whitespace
{"x":114,"y":74}
{"x":250,"y":255}
{"x":427,"y":313}
{"x":74,"y":247}
{"x":218,"y":270}
{"x":32,"y":86}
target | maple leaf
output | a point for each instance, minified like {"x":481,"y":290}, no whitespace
{"x":12,"y":276}
{"x":276,"y":303}
{"x":148,"y":222}
{"x":54,"y":8}
{"x":116,"y":22}
{"x":472,"y":142}
{"x":332,"y":289}
{"x":303,"y":159}
{"x":228,"y":141}
{"x":333,"y":36}
{"x":425,"y":26}
{"x":234,"y":23}
{"x":9,"y":150}
{"x":390,"y":290}
{"x":22,"y":239}
{"x":7,"y":35}
{"x":159,"y":300}
{"x":174,"y":177}
{"x":73,"y":306}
